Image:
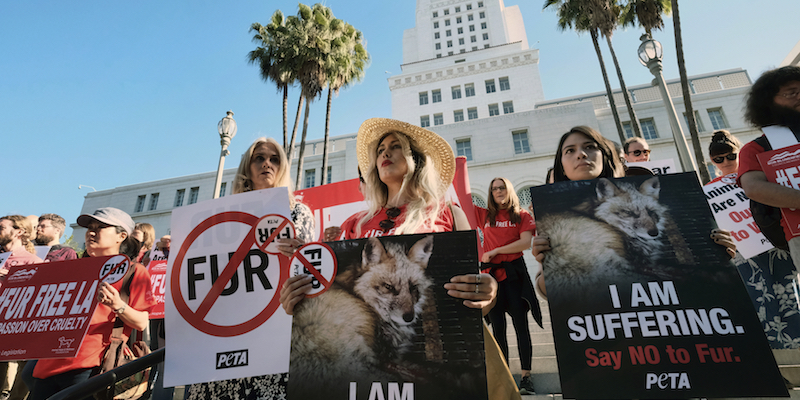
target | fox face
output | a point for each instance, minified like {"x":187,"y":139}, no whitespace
{"x":393,"y":281}
{"x":636,"y":213}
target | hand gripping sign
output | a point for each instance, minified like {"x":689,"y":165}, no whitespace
{"x":46,"y":309}
{"x":224,"y":278}
{"x":318,"y":260}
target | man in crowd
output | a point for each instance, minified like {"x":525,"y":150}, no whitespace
{"x":48,"y":233}
{"x":636,"y":150}
{"x":774,"y":99}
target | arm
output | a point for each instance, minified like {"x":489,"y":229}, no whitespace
{"x":523,"y":243}
{"x":757,"y":187}
{"x":108,"y":296}
{"x":460,"y":221}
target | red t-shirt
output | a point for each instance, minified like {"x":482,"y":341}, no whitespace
{"x":98,"y":336}
{"x":20,"y":256}
{"x":504,"y":232}
{"x":748,"y":161}
{"x":444,"y":223}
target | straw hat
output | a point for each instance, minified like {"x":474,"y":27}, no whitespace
{"x":428,"y":142}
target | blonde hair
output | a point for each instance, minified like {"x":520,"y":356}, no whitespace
{"x":421,"y":184}
{"x":511,"y":204}
{"x":148,"y":234}
{"x":23,"y":224}
{"x":243,"y":181}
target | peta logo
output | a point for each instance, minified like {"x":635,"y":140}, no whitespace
{"x":667,"y":380}
{"x":230,"y":359}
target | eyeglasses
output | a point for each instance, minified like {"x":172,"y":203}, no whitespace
{"x":388,"y":223}
{"x":791,"y":94}
{"x":720,"y":159}
{"x":494,"y":189}
{"x":637,"y":153}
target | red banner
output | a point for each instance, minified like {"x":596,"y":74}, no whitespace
{"x":158,"y":281}
{"x":45,"y":309}
{"x":781,"y":167}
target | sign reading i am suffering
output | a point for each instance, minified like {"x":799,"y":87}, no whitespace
{"x":223,"y":290}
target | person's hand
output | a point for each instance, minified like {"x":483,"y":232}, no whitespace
{"x":3,"y":273}
{"x":331,"y":233}
{"x":287,"y":247}
{"x":108,"y":296}
{"x":477,"y":290}
{"x":541,"y":244}
{"x":488,"y":255}
{"x":724,"y":238}
{"x":294,"y":290}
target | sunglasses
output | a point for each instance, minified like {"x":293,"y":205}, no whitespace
{"x":637,"y":153}
{"x":388,"y":223}
{"x":720,"y":159}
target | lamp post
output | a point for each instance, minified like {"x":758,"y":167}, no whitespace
{"x":650,"y":52}
{"x":227,"y":130}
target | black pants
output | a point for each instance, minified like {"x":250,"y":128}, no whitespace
{"x":510,"y":300}
{"x":44,"y":388}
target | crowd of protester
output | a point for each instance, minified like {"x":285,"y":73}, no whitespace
{"x":406,"y":172}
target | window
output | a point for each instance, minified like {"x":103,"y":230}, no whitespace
{"x":485,"y":36}
{"x":446,"y":11}
{"x":521,"y":142}
{"x":480,"y":4}
{"x":717,"y":119}
{"x":436,"y":25}
{"x":696,"y":121}
{"x":490,"y":86}
{"x":447,"y":33}
{"x":436,"y":35}
{"x":461,"y":41}
{"x":473,"y":39}
{"x":458,"y":115}
{"x":472,"y":113}
{"x":425,"y":121}
{"x":472,"y":28}
{"x":482,"y":15}
{"x":508,"y":107}
{"x":626,"y":126}
{"x":439,"y":55}
{"x":328,"y":178}
{"x":222,"y":189}
{"x":447,"y":22}
{"x":460,"y":30}
{"x":438,"y":119}
{"x":464,"y":148}
{"x":456,"y":91}
{"x":194,"y":193}
{"x":435,"y":14}
{"x":437,"y":95}
{"x":470,"y":17}
{"x":449,"y":43}
{"x":458,"y":9}
{"x":310,"y":175}
{"x":648,"y":129}
{"x":140,"y":203}
{"x":449,"y":53}
{"x":438,"y":46}
{"x":423,"y":98}
{"x":462,"y":50}
{"x":179,"y":197}
{"x":474,"y":48}
{"x":469,"y":90}
{"x":486,"y":46}
{"x":483,"y":25}
{"x":493,"y":110}
{"x":469,"y":6}
{"x":153,"y":202}
{"x":504,"y":85}
{"x":458,"y":20}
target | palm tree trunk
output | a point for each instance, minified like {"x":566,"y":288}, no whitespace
{"x":608,"y":86}
{"x":301,"y":153}
{"x":285,"y":116}
{"x":289,"y":150}
{"x":324,"y":175}
{"x":687,"y":96}
{"x":634,"y":120}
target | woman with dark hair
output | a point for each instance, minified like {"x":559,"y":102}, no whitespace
{"x":108,"y":230}
{"x":724,"y":151}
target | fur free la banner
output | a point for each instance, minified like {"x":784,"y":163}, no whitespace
{"x":643,"y":303}
{"x":386,"y":328}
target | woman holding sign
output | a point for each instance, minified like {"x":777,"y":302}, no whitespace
{"x":264,"y":166}
{"x":108,"y":231}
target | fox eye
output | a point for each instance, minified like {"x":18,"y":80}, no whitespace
{"x":653,"y":215}
{"x":413,"y":289}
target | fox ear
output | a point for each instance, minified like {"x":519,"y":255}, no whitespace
{"x":421,"y":251}
{"x":605,"y":189}
{"x":373,"y":252}
{"x":651,"y":187}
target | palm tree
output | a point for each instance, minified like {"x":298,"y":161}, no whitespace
{"x":345,"y":65}
{"x":574,"y":14}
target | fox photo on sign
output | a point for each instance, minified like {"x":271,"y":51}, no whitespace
{"x":222,"y":298}
{"x":385,"y":327}
{"x":643,"y":303}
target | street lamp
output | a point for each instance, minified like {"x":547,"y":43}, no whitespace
{"x":227,"y":130}
{"x":650,"y":52}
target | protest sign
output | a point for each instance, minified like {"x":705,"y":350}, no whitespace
{"x":643,"y":303}
{"x":3,"y":258}
{"x":223,"y":291}
{"x":158,"y":281}
{"x":41,"y":251}
{"x":386,"y":328}
{"x":731,"y":209}
{"x":659,"y":167}
{"x":45,"y":309}
{"x":780,"y":166}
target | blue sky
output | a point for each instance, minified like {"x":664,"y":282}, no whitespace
{"x":108,"y":94}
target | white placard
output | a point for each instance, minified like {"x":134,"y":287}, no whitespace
{"x":237,"y":329}
{"x":731,"y":209}
{"x":3,"y":258}
{"x":41,"y":251}
{"x":659,"y":167}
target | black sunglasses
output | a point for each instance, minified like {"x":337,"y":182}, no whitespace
{"x":388,"y":223}
{"x":637,"y":153}
{"x":720,"y":159}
